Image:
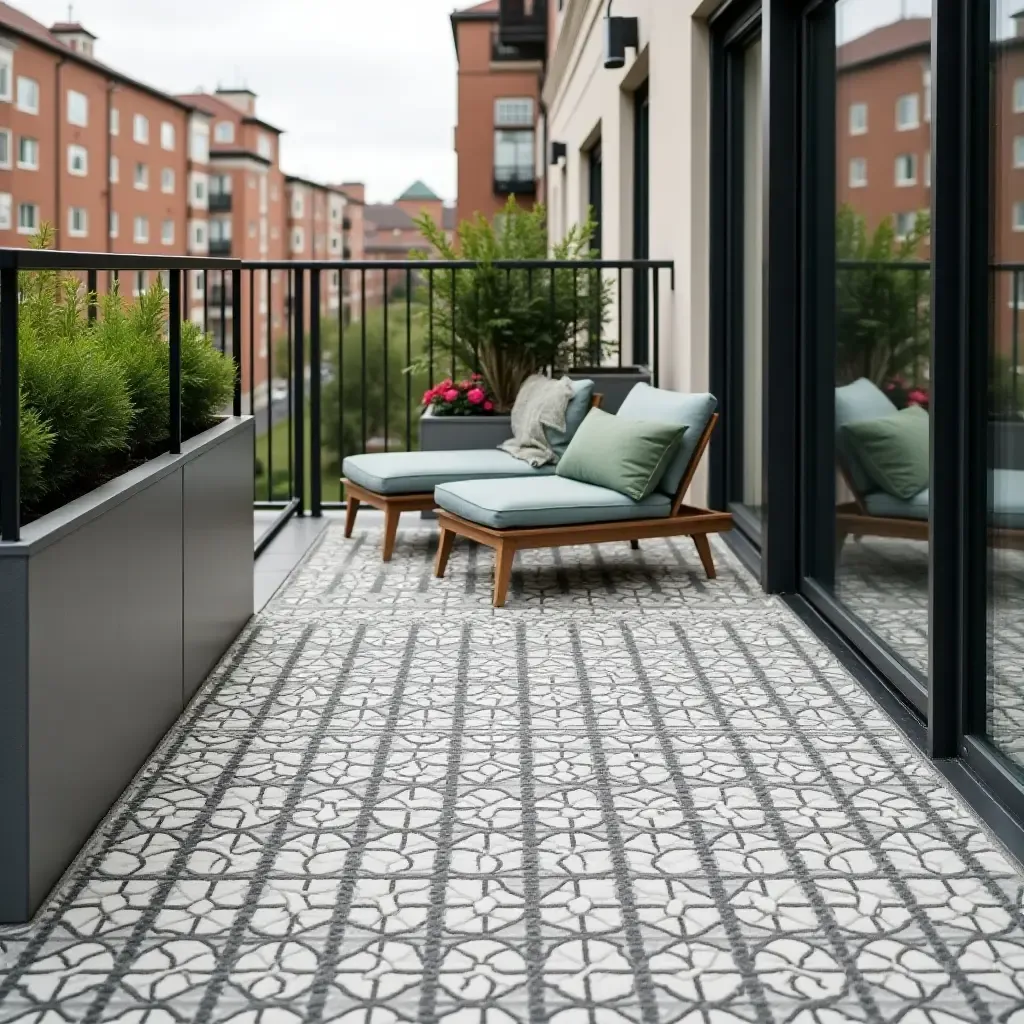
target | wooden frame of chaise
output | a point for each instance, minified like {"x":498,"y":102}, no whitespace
{"x":682,"y":521}
{"x":393,"y":505}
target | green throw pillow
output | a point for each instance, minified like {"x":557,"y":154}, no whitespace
{"x":628,"y":456}
{"x":893,"y":451}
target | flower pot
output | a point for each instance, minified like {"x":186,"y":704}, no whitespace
{"x":613,"y":383}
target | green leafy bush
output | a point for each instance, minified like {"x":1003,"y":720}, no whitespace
{"x":207,"y":380}
{"x":36,"y":443}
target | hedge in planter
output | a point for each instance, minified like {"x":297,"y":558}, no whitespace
{"x":94,"y":396}
{"x":510,"y":324}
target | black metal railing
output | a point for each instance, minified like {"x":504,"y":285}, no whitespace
{"x":219,"y":202}
{"x":220,"y":246}
{"x":511,"y":180}
{"x":327,"y":384}
{"x":177,"y":270}
{"x":523,"y":22}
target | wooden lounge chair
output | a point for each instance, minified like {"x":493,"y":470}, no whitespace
{"x":873,"y":513}
{"x":397,"y":482}
{"x":578,"y":513}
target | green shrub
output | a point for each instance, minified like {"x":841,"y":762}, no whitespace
{"x":207,"y":380}
{"x":37,"y":439}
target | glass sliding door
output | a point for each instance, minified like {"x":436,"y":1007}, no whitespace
{"x":868,"y":345}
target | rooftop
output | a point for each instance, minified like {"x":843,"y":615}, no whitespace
{"x":419,"y":190}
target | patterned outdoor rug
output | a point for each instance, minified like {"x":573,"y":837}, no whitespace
{"x":633,"y":795}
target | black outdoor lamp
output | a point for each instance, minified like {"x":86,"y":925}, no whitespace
{"x":619,"y":35}
{"x":558,"y":152}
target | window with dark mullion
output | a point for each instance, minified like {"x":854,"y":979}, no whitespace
{"x":594,"y":186}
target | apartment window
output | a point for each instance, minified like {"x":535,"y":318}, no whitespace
{"x":1018,"y":151}
{"x":513,"y":113}
{"x":198,"y":235}
{"x":1018,"y":96}
{"x":858,"y":118}
{"x":198,"y":288}
{"x":166,"y":135}
{"x":265,"y":147}
{"x":5,"y":147}
{"x":115,"y":169}
{"x":200,"y":142}
{"x":5,"y":211}
{"x":220,"y":185}
{"x":141,"y":177}
{"x":78,"y":222}
{"x":199,"y":190}
{"x":904,"y":224}
{"x":224,"y":131}
{"x":298,"y":205}
{"x":220,"y":230}
{"x":167,"y":232}
{"x":858,"y":172}
{"x":906,"y":169}
{"x":6,"y":62}
{"x":28,"y":153}
{"x":1017,"y":298}
{"x":28,"y":218}
{"x":141,"y":233}
{"x":1018,"y":216}
{"x":78,"y":161}
{"x":115,"y":121}
{"x":140,"y":129}
{"x":298,"y":240}
{"x":907,"y":114}
{"x":140,"y":282}
{"x":114,"y":224}
{"x":28,"y":95}
{"x":513,"y":157}
{"x":78,"y":108}
{"x":167,"y":180}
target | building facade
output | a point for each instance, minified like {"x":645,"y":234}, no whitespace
{"x":499,"y":79}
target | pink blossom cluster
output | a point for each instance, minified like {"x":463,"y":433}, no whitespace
{"x":460,"y":398}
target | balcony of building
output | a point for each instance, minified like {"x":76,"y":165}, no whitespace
{"x":522,"y":30}
{"x":220,"y":202}
{"x":634,"y":791}
{"x":515,"y":181}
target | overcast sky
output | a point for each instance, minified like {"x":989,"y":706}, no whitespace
{"x":364,"y":89}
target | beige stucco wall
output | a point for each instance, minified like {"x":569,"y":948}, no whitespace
{"x":584,"y":99}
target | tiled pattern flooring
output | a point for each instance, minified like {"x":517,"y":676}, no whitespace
{"x":633,"y":795}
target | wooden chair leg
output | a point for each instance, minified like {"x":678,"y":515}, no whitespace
{"x":444,"y":549}
{"x":704,"y":550}
{"x":351,"y":511}
{"x":391,"y":516}
{"x":635,"y":545}
{"x":504,"y":556}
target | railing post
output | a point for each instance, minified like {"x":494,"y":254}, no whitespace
{"x":90,"y":288}
{"x":657,"y":327}
{"x":299,"y":369}
{"x":315,"y":454}
{"x":174,"y":352}
{"x":236,"y":337}
{"x":10,"y":408}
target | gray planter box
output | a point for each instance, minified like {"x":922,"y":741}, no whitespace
{"x":450,"y":433}
{"x":113,"y":609}
{"x":615,"y":384}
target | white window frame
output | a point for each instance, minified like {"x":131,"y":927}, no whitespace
{"x":858,"y":180}
{"x":140,"y":129}
{"x":79,"y":117}
{"x":114,"y":169}
{"x":198,"y":285}
{"x":167,"y":136}
{"x":199,"y":142}
{"x":24,"y":229}
{"x":115,"y":224}
{"x":26,"y":165}
{"x":6,"y":74}
{"x":514,"y":112}
{"x":167,"y":237}
{"x":7,"y":162}
{"x":264,"y":146}
{"x":224,"y":132}
{"x":298,"y":240}
{"x":900,"y":235}
{"x":167,"y":184}
{"x":858,"y":128}
{"x":6,"y":208}
{"x":141,"y":183}
{"x":1018,"y":95}
{"x":906,"y":182}
{"x":21,"y":104}
{"x":83,"y":231}
{"x":115,"y":121}
{"x":909,"y":125}
{"x":298,"y":204}
{"x":140,"y":237}
{"x":199,"y":238}
{"x":1018,"y":151}
{"x":75,"y":150}
{"x":1018,"y":216}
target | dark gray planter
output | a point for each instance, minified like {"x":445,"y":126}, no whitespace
{"x":450,"y":433}
{"x":113,"y":609}
{"x":1007,"y":443}
{"x":613,"y":384}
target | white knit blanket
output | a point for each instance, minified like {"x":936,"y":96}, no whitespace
{"x":540,"y":404}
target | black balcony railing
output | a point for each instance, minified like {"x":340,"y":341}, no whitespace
{"x":523,"y":25}
{"x":518,"y":181}
{"x":219,"y":202}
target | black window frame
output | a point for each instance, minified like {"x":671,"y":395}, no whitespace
{"x":641,"y":222}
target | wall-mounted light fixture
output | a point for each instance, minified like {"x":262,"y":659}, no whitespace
{"x":558,"y":152}
{"x":619,"y":35}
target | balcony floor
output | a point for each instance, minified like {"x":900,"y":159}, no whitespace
{"x":633,"y":795}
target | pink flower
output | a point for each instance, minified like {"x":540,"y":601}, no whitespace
{"x":477,"y":376}
{"x":488,"y":406}
{"x":450,"y":395}
{"x":476,"y":396}
{"x":917,"y":397}
{"x":427,"y":396}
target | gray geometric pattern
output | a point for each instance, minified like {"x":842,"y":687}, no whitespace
{"x":632,"y":796}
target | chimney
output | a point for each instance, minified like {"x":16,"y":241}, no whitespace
{"x":74,"y":36}
{"x":241,"y":99}
{"x":355,"y":190}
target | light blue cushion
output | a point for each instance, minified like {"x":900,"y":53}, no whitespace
{"x":547,"y":501}
{"x":575,"y":413}
{"x":1006,"y":502}
{"x":692,"y":411}
{"x":421,"y":472}
{"x":856,"y":403}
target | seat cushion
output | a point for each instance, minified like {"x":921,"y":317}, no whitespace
{"x":691,"y":411}
{"x":421,"y":472}
{"x":855,"y":403}
{"x":893,"y":450}
{"x":1006,"y":502}
{"x":544,"y":501}
{"x":575,"y":413}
